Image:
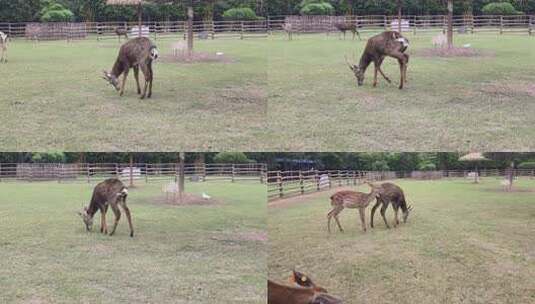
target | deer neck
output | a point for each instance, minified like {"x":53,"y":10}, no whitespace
{"x":364,"y":62}
{"x":118,"y":68}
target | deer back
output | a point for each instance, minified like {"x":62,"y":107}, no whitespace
{"x":107,"y":192}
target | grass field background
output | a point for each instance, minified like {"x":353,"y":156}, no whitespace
{"x":464,"y":243}
{"x":274,"y":95}
{"x":179,"y":254}
{"x":55,"y":98}
{"x":449,"y":103}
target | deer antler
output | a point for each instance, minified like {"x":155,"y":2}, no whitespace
{"x":409,"y":208}
{"x":351,"y":67}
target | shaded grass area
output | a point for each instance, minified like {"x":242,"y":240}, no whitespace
{"x":314,"y":103}
{"x":464,"y":243}
{"x":55,"y":99}
{"x":189,"y":254}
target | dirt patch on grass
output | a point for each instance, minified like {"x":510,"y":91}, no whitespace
{"x":452,"y":52}
{"x":509,"y":88}
{"x":236,"y":237}
{"x":188,"y":199}
{"x":196,"y":57}
{"x":100,"y":249}
{"x":35,"y":300}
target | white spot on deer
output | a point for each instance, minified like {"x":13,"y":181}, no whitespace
{"x":404,"y":41}
{"x":154,"y":53}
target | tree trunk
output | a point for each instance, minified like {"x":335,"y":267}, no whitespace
{"x":399,"y":15}
{"x":181,"y":175}
{"x":450,"y":24}
{"x":131,"y":171}
{"x":190,"y":30}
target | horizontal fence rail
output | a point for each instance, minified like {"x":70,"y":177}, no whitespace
{"x":519,"y":24}
{"x":84,"y":172}
{"x":284,"y":184}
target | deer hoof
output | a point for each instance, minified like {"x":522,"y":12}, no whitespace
{"x":132,"y":234}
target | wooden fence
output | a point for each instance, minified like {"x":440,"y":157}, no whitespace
{"x":148,"y":172}
{"x":284,"y":184}
{"x":519,"y":24}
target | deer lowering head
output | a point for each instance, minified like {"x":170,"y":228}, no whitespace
{"x":390,"y":193}
{"x":109,"y":193}
{"x":388,"y":43}
{"x":137,"y":53}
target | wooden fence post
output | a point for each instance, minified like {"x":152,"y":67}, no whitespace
{"x":88,"y":172}
{"x":385,"y":20}
{"x":317,"y":178}
{"x":301,"y":185}
{"x":146,"y":173}
{"x":501,"y":25}
{"x":530,"y":25}
{"x":279,"y":182}
{"x":242,"y":29}
{"x":233,"y":172}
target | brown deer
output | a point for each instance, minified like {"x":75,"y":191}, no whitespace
{"x":343,"y":27}
{"x":3,"y":47}
{"x":390,"y":193}
{"x":288,"y":28}
{"x":119,"y":31}
{"x":137,"y":53}
{"x":350,"y":199}
{"x":304,"y":291}
{"x":389,"y":43}
{"x":111,"y":192}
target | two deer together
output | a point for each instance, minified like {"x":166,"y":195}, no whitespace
{"x":384,"y":194}
{"x":302,"y":291}
{"x":389,"y":43}
{"x":109,"y":193}
{"x":3,"y":47}
{"x":137,"y":54}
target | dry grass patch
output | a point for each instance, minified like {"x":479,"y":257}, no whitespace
{"x":197,"y":57}
{"x":453,"y":52}
{"x":509,"y":88}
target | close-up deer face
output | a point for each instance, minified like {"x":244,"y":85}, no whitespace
{"x":357,"y":71}
{"x":114,"y":81}
{"x":88,"y":220}
{"x":302,"y":280}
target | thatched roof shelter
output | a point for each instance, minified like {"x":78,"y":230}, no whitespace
{"x":474,"y":157}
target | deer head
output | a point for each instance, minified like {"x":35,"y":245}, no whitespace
{"x":406,"y":213}
{"x":111,"y":79}
{"x":88,"y":219}
{"x":357,"y":71}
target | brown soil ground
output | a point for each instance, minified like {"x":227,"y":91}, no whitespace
{"x":187,"y":200}
{"x":195,"y":58}
{"x":453,"y":52}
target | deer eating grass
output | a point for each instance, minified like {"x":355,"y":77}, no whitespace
{"x":350,"y":199}
{"x":3,"y":47}
{"x":303,"y":291}
{"x":111,"y":192}
{"x":388,"y":43}
{"x":121,"y":32}
{"x":343,"y":27}
{"x":390,"y":193}
{"x":137,"y":53}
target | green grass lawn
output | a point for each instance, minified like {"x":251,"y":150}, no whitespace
{"x":180,"y":254}
{"x":464,"y":243}
{"x":449,"y":103}
{"x":55,"y":98}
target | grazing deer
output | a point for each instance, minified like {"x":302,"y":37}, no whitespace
{"x":350,"y":199}
{"x":390,"y":193}
{"x":119,"y":31}
{"x":389,"y":43}
{"x":343,"y":27}
{"x":305,"y":292}
{"x":111,"y":192}
{"x":3,"y":47}
{"x":288,"y":28}
{"x":137,"y":53}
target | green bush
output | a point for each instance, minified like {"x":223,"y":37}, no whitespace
{"x":427,"y":166}
{"x":241,"y":13}
{"x":50,"y":157}
{"x":231,"y":158}
{"x":500,"y":8}
{"x":527,"y":165}
{"x":55,"y":12}
{"x":380,"y":165}
{"x":322,"y":8}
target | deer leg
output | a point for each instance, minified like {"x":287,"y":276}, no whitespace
{"x":105,"y":223}
{"x":117,"y":213}
{"x":136,"y":75}
{"x":383,"y":211}
{"x":373,"y":212}
{"x":124,"y":81}
{"x":334,"y":213}
{"x":102,"y":220}
{"x":145,"y":71}
{"x":128,"y":216}
{"x":396,"y":218}
{"x":381,"y":71}
{"x":362,"y":218}
{"x":376,"y":68}
{"x":150,"y":80}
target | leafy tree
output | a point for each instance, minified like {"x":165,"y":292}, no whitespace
{"x":499,"y":8}
{"x":49,"y":157}
{"x":241,"y":13}
{"x":316,"y":7}
{"x":231,"y":158}
{"x":55,"y":12}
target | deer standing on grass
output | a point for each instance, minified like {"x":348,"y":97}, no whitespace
{"x":288,"y":28}
{"x":111,"y":192}
{"x":390,"y":193}
{"x":303,"y":291}
{"x":389,"y":43}
{"x":119,"y":31}
{"x":3,"y":47}
{"x":343,"y":27}
{"x":350,"y":199}
{"x":137,"y":53}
